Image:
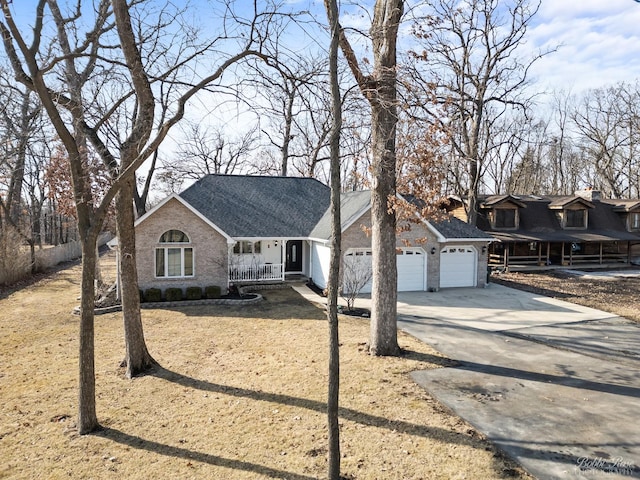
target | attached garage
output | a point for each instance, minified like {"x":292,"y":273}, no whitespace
{"x":458,"y":265}
{"x":411,"y":263}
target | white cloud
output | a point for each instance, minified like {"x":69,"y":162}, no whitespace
{"x":599,"y":43}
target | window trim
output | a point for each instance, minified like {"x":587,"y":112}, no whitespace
{"x":240,"y":244}
{"x":634,"y":221}
{"x":585,"y":219}
{"x":163,"y":248}
{"x":494,"y":218}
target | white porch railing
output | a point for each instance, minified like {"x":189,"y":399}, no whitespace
{"x":256,"y":273}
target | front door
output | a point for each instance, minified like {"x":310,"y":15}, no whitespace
{"x":294,"y":256}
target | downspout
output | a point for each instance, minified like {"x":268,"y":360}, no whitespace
{"x":283,"y":256}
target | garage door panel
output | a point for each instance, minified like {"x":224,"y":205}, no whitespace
{"x":458,"y":266}
{"x":411,"y":264}
{"x":411,"y":270}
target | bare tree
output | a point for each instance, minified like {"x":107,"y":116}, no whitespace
{"x":471,"y":56}
{"x":292,"y":103}
{"x":333,"y":14}
{"x":380,"y":89}
{"x":607,"y":121}
{"x":206,"y":150}
{"x":356,"y":274}
{"x":68,"y":87}
{"x":22,"y":135}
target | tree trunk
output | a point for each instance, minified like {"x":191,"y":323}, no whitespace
{"x":137,"y":358}
{"x":336,"y":248}
{"x":87,"y":418}
{"x":384,"y":29}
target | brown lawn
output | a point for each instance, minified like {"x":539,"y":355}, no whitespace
{"x":241,"y":395}
{"x":617,"y":295}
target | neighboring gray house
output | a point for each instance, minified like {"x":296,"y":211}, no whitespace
{"x":233,"y":229}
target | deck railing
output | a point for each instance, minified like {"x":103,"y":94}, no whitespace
{"x":256,"y":273}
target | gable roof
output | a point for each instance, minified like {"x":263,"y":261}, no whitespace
{"x":623,"y":205}
{"x":180,"y":200}
{"x":454,"y":228}
{"x":270,"y":207}
{"x":355,"y":204}
{"x":352,"y":206}
{"x":563,"y":202}
{"x":494,"y":200}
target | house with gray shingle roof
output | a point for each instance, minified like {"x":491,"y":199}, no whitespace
{"x":547,"y":230}
{"x":238,"y":229}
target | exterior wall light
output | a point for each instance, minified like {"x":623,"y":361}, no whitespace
{"x":433,"y":250}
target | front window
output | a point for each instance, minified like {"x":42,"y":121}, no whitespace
{"x":173,"y":257}
{"x":244,"y":247}
{"x":505,"y":218}
{"x":634,"y":221}
{"x":575,"y":218}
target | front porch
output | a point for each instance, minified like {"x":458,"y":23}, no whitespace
{"x":266,"y":261}
{"x":267,"y":273}
{"x":519,"y":256}
{"x":260,"y":272}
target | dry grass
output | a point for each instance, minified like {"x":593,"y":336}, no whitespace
{"x":241,"y":395}
{"x":617,"y":295}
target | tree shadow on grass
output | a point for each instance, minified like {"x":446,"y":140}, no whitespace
{"x":444,"y":435}
{"x":210,"y":459}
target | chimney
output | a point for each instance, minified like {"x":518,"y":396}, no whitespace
{"x":589,"y":194}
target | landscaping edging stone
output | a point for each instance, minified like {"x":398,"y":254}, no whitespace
{"x":205,"y":301}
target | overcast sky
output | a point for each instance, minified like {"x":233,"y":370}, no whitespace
{"x":599,"y":42}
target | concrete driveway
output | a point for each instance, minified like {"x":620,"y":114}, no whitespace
{"x":554,"y":385}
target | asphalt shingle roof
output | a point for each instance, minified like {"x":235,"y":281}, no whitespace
{"x":455,"y":228}
{"x":351,"y":204}
{"x":253,"y":206}
{"x":538,"y":222}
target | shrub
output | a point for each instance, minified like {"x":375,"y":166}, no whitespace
{"x":194,"y":293}
{"x":153,"y":295}
{"x":212,"y":291}
{"x":173,"y":294}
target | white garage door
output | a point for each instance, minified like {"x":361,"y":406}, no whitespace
{"x":411,"y":263}
{"x":458,"y":266}
{"x":411,"y":270}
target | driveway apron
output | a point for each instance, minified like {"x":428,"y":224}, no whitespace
{"x":555,"y":385}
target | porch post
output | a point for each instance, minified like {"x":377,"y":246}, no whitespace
{"x":539,"y":253}
{"x":283,"y":256}
{"x":506,"y":257}
{"x":229,"y":263}
{"x":600,"y":253}
{"x":571,"y":254}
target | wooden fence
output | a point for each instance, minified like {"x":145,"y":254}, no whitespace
{"x":16,"y":266}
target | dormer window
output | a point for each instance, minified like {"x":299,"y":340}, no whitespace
{"x":575,"y":218}
{"x":505,"y":218}
{"x":634,"y":221}
{"x":503,"y":211}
